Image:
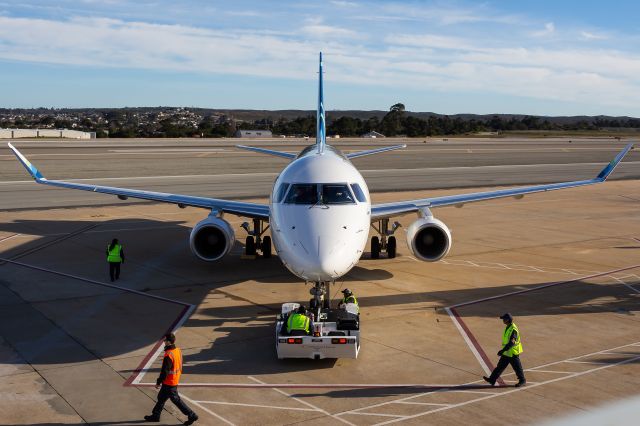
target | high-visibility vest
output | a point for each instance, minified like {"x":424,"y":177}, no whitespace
{"x":114,"y":254}
{"x":516,"y":349}
{"x":298,"y":321}
{"x":173,"y":377}
{"x":350,"y":299}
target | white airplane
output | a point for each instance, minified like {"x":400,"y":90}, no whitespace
{"x":320,"y":212}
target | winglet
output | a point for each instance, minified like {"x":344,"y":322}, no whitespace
{"x":33,"y":171}
{"x":604,"y":174}
{"x":321,"y":130}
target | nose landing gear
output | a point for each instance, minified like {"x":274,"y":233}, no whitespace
{"x":386,"y":241}
{"x":254,"y":241}
{"x":321,"y":293}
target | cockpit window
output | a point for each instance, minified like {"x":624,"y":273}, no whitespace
{"x":302,"y":193}
{"x":281,"y":192}
{"x":358,"y":192}
{"x":336,"y":193}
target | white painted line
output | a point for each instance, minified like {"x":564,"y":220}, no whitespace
{"x":588,"y":362}
{"x":375,"y":414}
{"x":534,"y":370}
{"x":620,"y":280}
{"x":10,"y":237}
{"x":419,"y":403}
{"x":471,"y":391}
{"x":88,"y":280}
{"x":256,"y":405}
{"x":280,"y":391}
{"x":543,"y":286}
{"x":558,"y":379}
{"x":469,"y":343}
{"x":218,"y":416}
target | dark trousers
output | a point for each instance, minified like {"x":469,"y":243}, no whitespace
{"x":114,"y":270}
{"x":171,"y":392}
{"x":502,"y":364}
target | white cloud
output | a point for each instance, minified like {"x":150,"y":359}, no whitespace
{"x":425,"y":62}
{"x":341,"y":3}
{"x":326,"y":31}
{"x":549,"y":28}
{"x":441,"y":14}
{"x":592,"y":36}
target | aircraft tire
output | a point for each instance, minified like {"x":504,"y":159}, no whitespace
{"x":250,"y":246}
{"x":375,"y":247}
{"x":391,"y":247}
{"x":266,"y":247}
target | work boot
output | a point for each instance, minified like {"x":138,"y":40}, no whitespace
{"x":488,"y":380}
{"x":153,"y":418}
{"x":192,"y":418}
{"x":521,"y":383}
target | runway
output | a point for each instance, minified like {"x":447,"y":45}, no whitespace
{"x":215,"y":168}
{"x":76,"y":349}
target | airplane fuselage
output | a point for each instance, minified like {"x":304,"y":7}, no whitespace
{"x":320,"y":214}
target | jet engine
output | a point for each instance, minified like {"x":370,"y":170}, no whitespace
{"x":212,"y":239}
{"x":429,"y":239}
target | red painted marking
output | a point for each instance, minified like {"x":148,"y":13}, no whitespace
{"x":6,"y":238}
{"x":423,"y":387}
{"x":146,"y":359}
{"x":475,"y":343}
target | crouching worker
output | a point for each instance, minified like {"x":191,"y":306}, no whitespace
{"x":298,"y":323}
{"x":348,"y":297}
{"x":169,"y":379}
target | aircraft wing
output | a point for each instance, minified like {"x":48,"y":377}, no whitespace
{"x":268,"y":151}
{"x":374,"y":151}
{"x":238,"y":208}
{"x":381,"y":211}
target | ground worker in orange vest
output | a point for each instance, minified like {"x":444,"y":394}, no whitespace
{"x":169,"y":379}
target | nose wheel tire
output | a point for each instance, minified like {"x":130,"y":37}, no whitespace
{"x":250,"y":246}
{"x":375,"y":247}
{"x":391,"y":247}
{"x":266,"y":247}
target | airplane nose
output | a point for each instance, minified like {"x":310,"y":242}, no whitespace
{"x":332,"y":260}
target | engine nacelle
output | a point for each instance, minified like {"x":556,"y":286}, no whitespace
{"x":429,"y":239}
{"x":212,"y":239}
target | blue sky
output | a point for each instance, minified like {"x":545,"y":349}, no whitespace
{"x":542,"y":57}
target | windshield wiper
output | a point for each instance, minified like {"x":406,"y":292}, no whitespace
{"x":318,"y":202}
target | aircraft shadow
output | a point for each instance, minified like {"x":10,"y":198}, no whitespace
{"x":38,"y":332}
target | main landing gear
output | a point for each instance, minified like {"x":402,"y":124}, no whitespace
{"x":386,"y":241}
{"x":255,"y":241}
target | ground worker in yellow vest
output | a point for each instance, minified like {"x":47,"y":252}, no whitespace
{"x":298,"y":323}
{"x":169,"y":379}
{"x":348,"y":297}
{"x":510,"y":352}
{"x":115,"y":257}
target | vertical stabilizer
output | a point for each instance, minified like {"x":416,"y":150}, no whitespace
{"x":320,"y":121}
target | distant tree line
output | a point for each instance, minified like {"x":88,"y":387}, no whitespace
{"x":183,"y":122}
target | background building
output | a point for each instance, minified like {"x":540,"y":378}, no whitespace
{"x":253,"y":134}
{"x":45,"y":133}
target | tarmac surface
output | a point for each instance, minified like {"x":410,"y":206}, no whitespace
{"x":74,"y":349}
